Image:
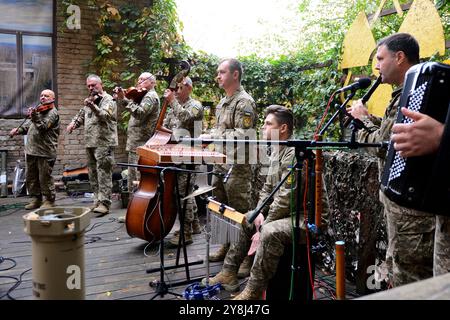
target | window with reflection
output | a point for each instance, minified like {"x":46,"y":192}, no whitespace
{"x":26,"y":54}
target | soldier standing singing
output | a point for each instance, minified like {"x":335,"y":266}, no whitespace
{"x":99,"y":116}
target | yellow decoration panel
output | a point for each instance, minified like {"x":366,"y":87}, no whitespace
{"x":358,"y":44}
{"x":379,"y":100}
{"x":423,"y":22}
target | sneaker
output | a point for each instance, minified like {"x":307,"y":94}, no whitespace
{"x":220,"y":254}
{"x":196,"y":227}
{"x":249,"y":294}
{"x":228,"y":280}
{"x":244,"y":268}
{"x":101,"y":210}
{"x":48,"y":204}
{"x":174,"y":241}
{"x":34,"y":204}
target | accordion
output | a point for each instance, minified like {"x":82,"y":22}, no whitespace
{"x":422,"y":183}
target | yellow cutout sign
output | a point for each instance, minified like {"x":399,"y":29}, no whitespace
{"x":422,"y":21}
{"x":358,"y":43}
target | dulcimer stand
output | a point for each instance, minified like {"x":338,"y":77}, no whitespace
{"x":161,"y":286}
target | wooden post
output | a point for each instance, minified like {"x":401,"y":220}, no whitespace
{"x":318,"y":185}
{"x":340,"y":270}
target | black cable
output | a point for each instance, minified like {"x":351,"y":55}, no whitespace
{"x":91,"y":238}
{"x":3,"y":259}
{"x":19,"y":281}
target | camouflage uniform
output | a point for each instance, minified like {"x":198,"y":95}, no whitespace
{"x":42,"y":139}
{"x":441,"y":262}
{"x":141,"y":126}
{"x":186,"y":119}
{"x":275,"y":229}
{"x":409,"y":255}
{"x":100,"y":134}
{"x":235,"y":115}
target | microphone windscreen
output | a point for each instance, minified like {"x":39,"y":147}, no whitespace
{"x":364,"y":83}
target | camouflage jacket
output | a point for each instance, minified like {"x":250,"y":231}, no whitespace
{"x":187,"y":116}
{"x":143,"y":118}
{"x":100,"y":128}
{"x":234,"y":116}
{"x":42,"y":132}
{"x":280,"y":162}
{"x":380,"y":129}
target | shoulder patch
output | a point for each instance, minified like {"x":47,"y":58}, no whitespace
{"x":290,"y":180}
{"x":195,"y":110}
{"x":247,"y":121}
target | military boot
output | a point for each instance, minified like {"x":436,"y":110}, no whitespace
{"x":196,"y":227}
{"x":249,"y":293}
{"x":48,"y":203}
{"x":228,"y":280}
{"x":244,"y":268}
{"x":220,"y":254}
{"x":101,"y":210}
{"x":34,"y":204}
{"x":187,"y":239}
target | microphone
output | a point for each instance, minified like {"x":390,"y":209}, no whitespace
{"x":371,"y":90}
{"x":227,"y":175}
{"x":360,"y":84}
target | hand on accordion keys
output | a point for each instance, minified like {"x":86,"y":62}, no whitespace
{"x":421,"y":137}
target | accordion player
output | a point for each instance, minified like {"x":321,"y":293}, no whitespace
{"x":422,"y":183}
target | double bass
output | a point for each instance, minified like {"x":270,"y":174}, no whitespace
{"x":143,"y":218}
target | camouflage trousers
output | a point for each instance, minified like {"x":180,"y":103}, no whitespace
{"x":39,"y":177}
{"x":133,"y":173}
{"x":409,"y":255}
{"x":275,"y":236}
{"x":100,"y":164}
{"x":236,"y":192}
{"x":441,"y":263}
{"x":238,"y":251}
{"x":191,"y":212}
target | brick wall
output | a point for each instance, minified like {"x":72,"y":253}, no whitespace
{"x":74,"y":50}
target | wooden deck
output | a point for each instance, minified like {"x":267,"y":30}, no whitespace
{"x":115,"y":264}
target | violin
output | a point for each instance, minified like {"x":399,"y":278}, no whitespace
{"x":44,"y":107}
{"x":93,"y":98}
{"x":41,"y":107}
{"x":133,"y":93}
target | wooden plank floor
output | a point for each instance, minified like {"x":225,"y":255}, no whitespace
{"x":115,"y":263}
